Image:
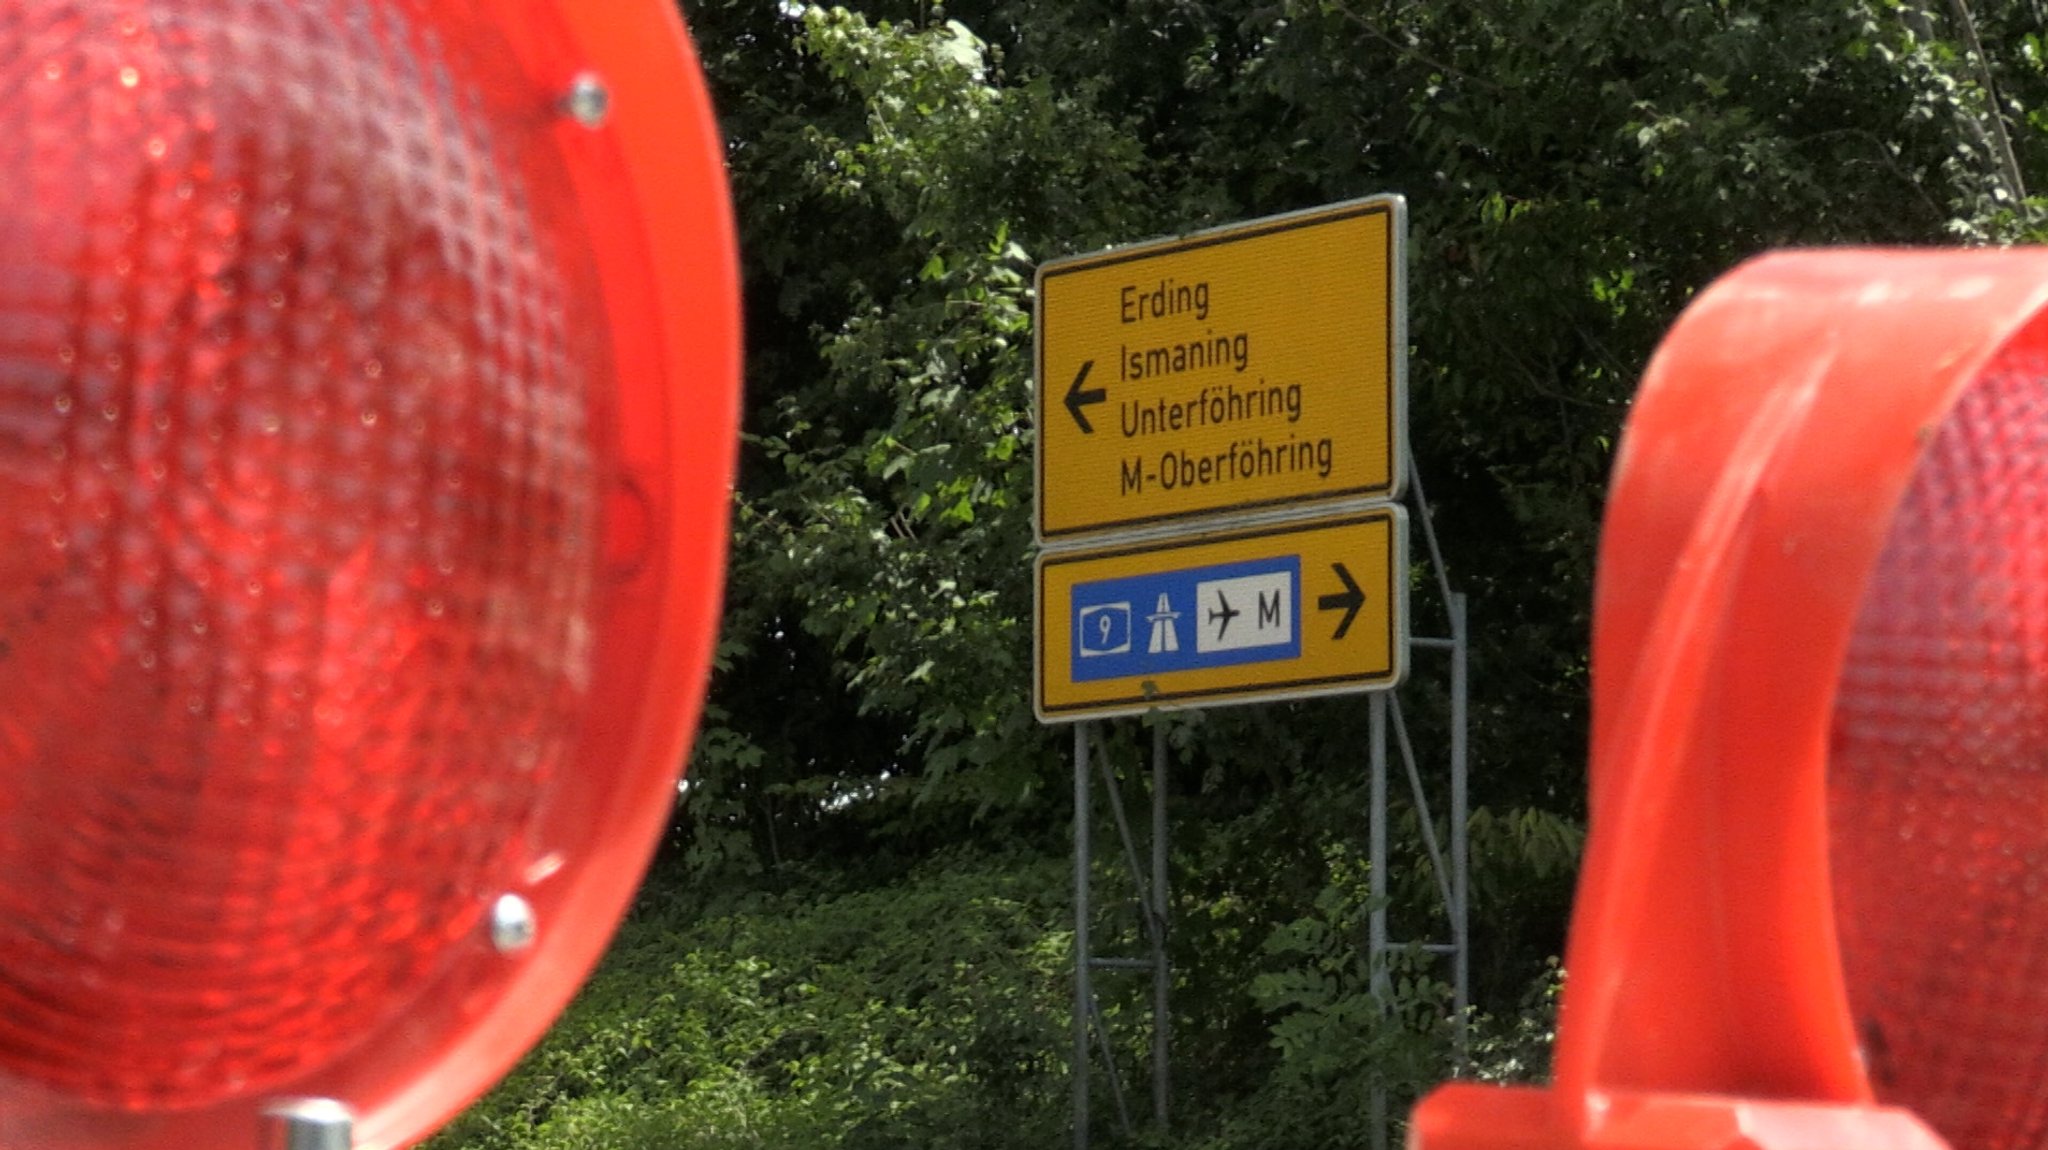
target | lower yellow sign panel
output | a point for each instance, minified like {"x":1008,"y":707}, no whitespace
{"x":1277,"y":611}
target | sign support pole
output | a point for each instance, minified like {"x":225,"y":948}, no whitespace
{"x":1084,"y":993}
{"x":1162,"y":975}
{"x":1460,"y":646}
{"x":1376,"y":928}
{"x":1452,"y":873}
{"x":1461,"y":863}
{"x":1092,"y":755}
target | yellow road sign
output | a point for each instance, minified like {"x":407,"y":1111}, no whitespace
{"x":1272,"y":611}
{"x":1254,"y":366}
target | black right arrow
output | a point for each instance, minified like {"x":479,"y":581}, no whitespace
{"x":1078,"y":399}
{"x":1349,"y":600}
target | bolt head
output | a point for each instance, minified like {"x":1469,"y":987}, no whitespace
{"x":513,"y":925}
{"x":309,"y":1124}
{"x":588,"y":101}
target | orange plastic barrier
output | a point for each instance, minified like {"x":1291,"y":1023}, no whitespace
{"x":1817,"y":793}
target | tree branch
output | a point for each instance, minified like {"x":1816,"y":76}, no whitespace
{"x":2007,"y":158}
{"x":1412,"y":52}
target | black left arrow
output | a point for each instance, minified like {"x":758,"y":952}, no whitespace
{"x":1078,"y":399}
{"x":1349,"y":600}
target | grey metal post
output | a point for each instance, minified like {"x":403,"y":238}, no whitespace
{"x":1084,"y":994}
{"x":1377,"y":878}
{"x":1376,"y":930}
{"x":1454,"y":604}
{"x":1461,"y":863}
{"x":1162,"y":974}
{"x":309,"y":1124}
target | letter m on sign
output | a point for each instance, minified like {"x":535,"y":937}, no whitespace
{"x":1132,"y":475}
{"x":1269,"y":610}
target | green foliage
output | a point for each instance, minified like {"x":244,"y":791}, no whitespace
{"x":1575,"y":171}
{"x":884,"y":535}
{"x":891,"y":1017}
{"x":1516,"y":1048}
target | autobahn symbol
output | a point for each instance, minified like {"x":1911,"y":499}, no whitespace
{"x":1256,"y":613}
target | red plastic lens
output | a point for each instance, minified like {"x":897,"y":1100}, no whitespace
{"x":301,"y":474}
{"x":1938,"y":776}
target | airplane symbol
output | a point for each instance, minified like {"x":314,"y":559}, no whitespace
{"x":1224,"y":612}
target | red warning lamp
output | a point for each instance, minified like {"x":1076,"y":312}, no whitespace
{"x":368,"y":397}
{"x":1812,"y":910}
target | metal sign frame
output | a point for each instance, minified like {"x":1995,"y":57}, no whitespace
{"x":1330,"y":374}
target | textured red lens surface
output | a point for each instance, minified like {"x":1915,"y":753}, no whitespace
{"x":1938,"y":776}
{"x":300,"y":471}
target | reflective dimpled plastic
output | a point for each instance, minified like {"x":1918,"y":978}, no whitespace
{"x":300,"y":489}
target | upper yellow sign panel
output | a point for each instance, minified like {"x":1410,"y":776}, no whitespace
{"x":1251,"y":367}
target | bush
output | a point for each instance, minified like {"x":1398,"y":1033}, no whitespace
{"x":893,"y":1017}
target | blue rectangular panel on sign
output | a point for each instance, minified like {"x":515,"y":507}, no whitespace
{"x":1216,"y":616}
